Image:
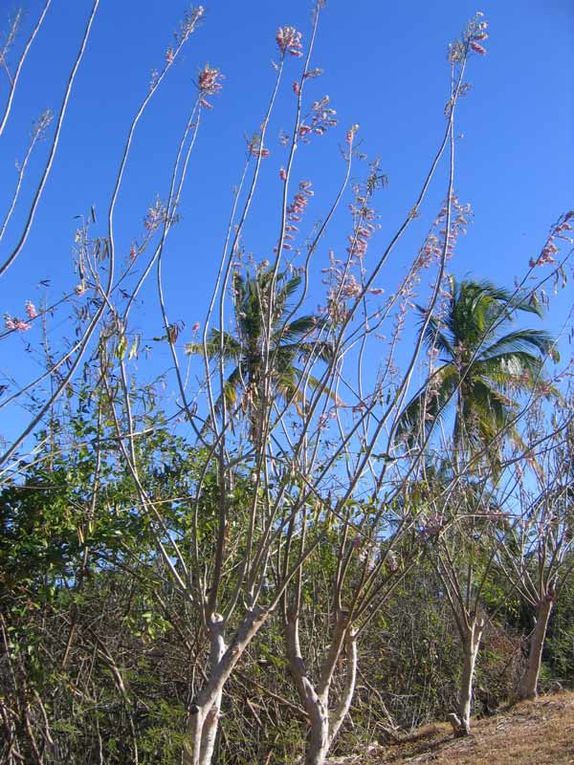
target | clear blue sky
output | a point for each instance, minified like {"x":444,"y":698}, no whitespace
{"x":385,"y":68}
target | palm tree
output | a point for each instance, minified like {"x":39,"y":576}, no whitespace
{"x":268,"y":343}
{"x":481,"y":369}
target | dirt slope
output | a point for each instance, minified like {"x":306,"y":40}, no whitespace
{"x":532,"y":733}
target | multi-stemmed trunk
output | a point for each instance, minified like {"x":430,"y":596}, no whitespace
{"x":203,"y":722}
{"x":528,"y":686}
{"x":324,"y":723}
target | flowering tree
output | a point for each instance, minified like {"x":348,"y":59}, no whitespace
{"x":228,"y":503}
{"x":458,"y":517}
{"x":536,"y":553}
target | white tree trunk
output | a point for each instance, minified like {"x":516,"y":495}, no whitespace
{"x":471,"y":644}
{"x":316,"y":709}
{"x":323,"y":724}
{"x":318,"y":741}
{"x":340,"y":713}
{"x":203,"y":721}
{"x":528,"y":686}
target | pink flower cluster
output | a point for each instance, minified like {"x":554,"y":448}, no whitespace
{"x":13,"y":323}
{"x":359,"y":239}
{"x":558,"y":231}
{"x":434,"y":244}
{"x":351,"y":133}
{"x":209,"y":84}
{"x":155,"y":216}
{"x":311,"y":74}
{"x":343,"y":286}
{"x":300,"y":201}
{"x":256,"y":149}
{"x":289,"y":41}
{"x":189,"y":23}
{"x":350,"y":287}
{"x":433,"y":525}
{"x":31,"y":310}
{"x":475,"y":34}
{"x":364,"y":224}
{"x":473,"y":38}
{"x":343,"y":283}
{"x":296,"y":210}
{"x":320,"y":119}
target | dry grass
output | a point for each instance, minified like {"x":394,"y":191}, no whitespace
{"x":532,"y":733}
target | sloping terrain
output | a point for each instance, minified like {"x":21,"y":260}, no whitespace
{"x":540,"y":732}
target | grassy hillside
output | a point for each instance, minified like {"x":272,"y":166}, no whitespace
{"x":531,"y":733}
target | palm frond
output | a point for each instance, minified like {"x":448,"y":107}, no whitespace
{"x":525,"y":340}
{"x":286,"y":289}
{"x":215,"y":341}
{"x":434,"y":336}
{"x":430,"y":402}
{"x":296,"y":330}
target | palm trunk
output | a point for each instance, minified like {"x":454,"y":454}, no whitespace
{"x":528,"y":686}
{"x":471,"y":644}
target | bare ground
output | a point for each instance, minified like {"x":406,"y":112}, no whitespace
{"x":539,"y":732}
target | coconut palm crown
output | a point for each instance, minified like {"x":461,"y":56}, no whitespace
{"x":481,"y":370}
{"x":267,"y":337}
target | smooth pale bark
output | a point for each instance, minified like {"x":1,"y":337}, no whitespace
{"x":342,"y":710}
{"x":323,"y":723}
{"x":203,"y":723}
{"x":471,"y":643}
{"x":317,"y":713}
{"x":528,"y":686}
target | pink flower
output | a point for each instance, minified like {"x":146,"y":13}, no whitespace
{"x":283,"y":174}
{"x":477,"y":47}
{"x":351,"y":133}
{"x":350,"y":287}
{"x":296,"y":88}
{"x":297,"y":207}
{"x":289,"y":41}
{"x":209,"y":83}
{"x":195,"y":327}
{"x":155,"y":215}
{"x":189,"y":23}
{"x":14,"y":323}
{"x":550,"y":248}
{"x":322,"y":117}
{"x":31,"y":311}
{"x":256,"y":149}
